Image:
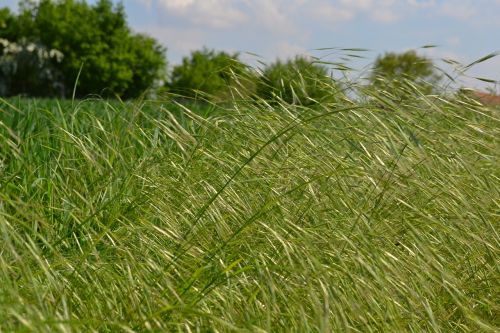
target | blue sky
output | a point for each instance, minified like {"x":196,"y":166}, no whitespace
{"x":463,"y":30}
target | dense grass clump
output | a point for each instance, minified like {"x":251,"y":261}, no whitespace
{"x":356,"y":216}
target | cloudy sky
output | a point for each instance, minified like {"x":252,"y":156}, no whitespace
{"x":463,"y":30}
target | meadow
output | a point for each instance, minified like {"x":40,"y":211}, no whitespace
{"x":362,"y":214}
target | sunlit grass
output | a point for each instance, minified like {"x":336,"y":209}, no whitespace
{"x":353,"y":216}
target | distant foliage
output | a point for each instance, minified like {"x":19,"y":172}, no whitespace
{"x":394,"y":71}
{"x":94,"y":38}
{"x":29,"y":69}
{"x":297,"y":81}
{"x":9,"y":28}
{"x":207,"y":74}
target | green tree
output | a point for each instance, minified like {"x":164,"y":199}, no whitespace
{"x":9,"y":28}
{"x":210,"y":73}
{"x":392,"y":71}
{"x":297,"y":81}
{"x":97,"y":40}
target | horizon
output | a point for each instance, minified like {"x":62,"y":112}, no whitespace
{"x":286,"y":28}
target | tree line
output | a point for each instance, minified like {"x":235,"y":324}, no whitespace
{"x":69,"y":48}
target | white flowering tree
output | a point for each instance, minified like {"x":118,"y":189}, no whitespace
{"x":29,"y":68}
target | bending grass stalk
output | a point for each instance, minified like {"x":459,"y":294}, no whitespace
{"x":293,"y":124}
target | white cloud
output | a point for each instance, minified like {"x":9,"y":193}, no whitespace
{"x":384,"y":15}
{"x":384,"y":11}
{"x":177,"y":4}
{"x":359,"y":4}
{"x":212,"y":13}
{"x":458,"y":10}
{"x":333,"y":14}
{"x":227,"y":14}
{"x":180,"y":41}
{"x":187,"y":25}
{"x":463,"y":10}
{"x":422,"y":3}
{"x":273,"y":15}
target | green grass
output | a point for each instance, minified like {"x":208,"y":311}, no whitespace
{"x":375,"y":216}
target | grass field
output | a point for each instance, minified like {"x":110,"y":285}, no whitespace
{"x":356,"y":216}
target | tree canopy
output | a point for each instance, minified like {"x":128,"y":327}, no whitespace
{"x":9,"y":28}
{"x":207,"y":72}
{"x":296,"y":81}
{"x":97,"y":44}
{"x":392,"y":69}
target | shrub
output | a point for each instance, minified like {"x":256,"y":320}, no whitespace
{"x":297,"y":81}
{"x":396,"y":72}
{"x":206,"y":72}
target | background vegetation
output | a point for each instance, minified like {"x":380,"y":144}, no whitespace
{"x":297,"y":81}
{"x":26,"y":66}
{"x":208,"y":74}
{"x":102,"y":55}
{"x":400,"y":73}
{"x":100,"y":52}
